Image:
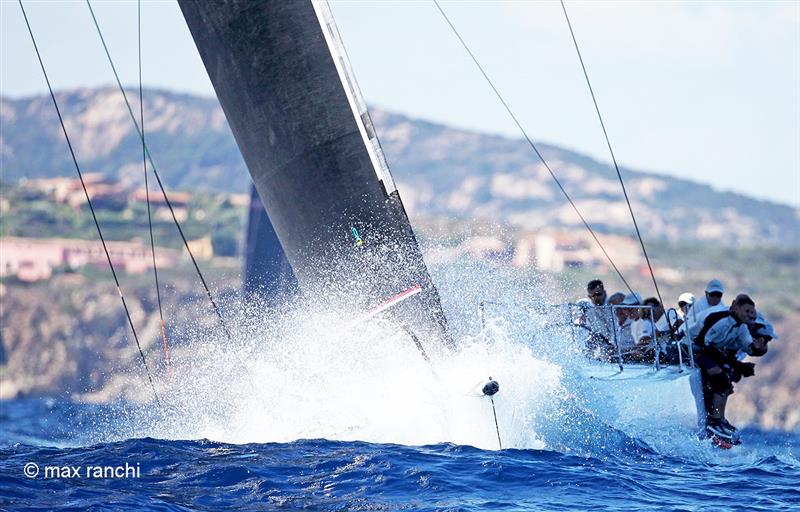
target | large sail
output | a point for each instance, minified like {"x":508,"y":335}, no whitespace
{"x":285,"y":85}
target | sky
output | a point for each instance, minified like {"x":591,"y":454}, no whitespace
{"x":703,"y":90}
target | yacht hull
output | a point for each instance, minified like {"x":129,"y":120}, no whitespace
{"x":640,"y":399}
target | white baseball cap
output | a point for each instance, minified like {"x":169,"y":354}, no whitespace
{"x":715,"y":285}
{"x":686,"y":297}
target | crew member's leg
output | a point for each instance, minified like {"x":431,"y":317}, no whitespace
{"x":709,"y":375}
{"x":716,"y":388}
{"x":720,"y":387}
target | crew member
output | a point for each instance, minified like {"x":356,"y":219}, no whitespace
{"x":596,"y":292}
{"x":596,"y":318}
{"x":667,"y":324}
{"x":625,"y":315}
{"x":722,"y":335}
{"x":616,"y":299}
{"x":665,"y":321}
{"x":702,"y":308}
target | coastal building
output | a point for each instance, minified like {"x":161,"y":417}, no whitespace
{"x":34,"y":259}
{"x":554,"y":251}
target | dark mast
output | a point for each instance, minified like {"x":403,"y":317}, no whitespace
{"x":284,"y":83}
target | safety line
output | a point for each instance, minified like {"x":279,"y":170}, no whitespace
{"x":533,"y":146}
{"x":158,"y":177}
{"x":611,"y":151}
{"x":91,"y":207}
{"x":147,"y":190}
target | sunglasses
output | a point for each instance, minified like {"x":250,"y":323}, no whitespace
{"x":714,"y":294}
{"x":597,"y":294}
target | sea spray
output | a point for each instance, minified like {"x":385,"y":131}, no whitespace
{"x":317,"y":379}
{"x":305,"y":371}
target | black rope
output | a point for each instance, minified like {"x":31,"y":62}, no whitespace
{"x":610,"y":150}
{"x":496,"y":427}
{"x":158,"y":178}
{"x":91,"y":207}
{"x":147,"y":184}
{"x":533,"y":146}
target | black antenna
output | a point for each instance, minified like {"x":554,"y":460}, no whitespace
{"x":490,"y":389}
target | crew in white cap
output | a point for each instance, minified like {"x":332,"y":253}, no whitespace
{"x":703,"y":307}
{"x":632,"y":299}
{"x":641,"y":327}
{"x":685,"y":302}
{"x":625,"y":317}
{"x":714,"y":291}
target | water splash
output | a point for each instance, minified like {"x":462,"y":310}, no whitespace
{"x":307,"y":372}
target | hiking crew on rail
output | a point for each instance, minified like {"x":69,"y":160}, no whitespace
{"x":720,"y":336}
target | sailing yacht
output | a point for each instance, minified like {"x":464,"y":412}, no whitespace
{"x":283,"y":79}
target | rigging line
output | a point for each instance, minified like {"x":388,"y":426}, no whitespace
{"x":611,"y":151}
{"x":158,"y":177}
{"x":91,"y":207}
{"x":147,"y":189}
{"x":163,"y":191}
{"x":532,"y":145}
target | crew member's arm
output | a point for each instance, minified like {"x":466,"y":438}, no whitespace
{"x":742,"y":340}
{"x":758,"y":347}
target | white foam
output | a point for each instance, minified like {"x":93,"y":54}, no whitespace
{"x":315,"y":379}
{"x":305,"y":372}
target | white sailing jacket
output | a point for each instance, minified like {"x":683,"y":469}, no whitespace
{"x":729,"y":334}
{"x":697,"y":318}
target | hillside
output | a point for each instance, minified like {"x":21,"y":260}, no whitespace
{"x":450,"y":180}
{"x":440,"y":170}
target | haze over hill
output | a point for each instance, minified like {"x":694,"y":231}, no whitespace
{"x":440,"y":171}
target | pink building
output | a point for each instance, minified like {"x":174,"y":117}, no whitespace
{"x":33,"y":259}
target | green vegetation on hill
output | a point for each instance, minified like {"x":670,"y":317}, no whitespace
{"x":32,"y":214}
{"x":440,"y":171}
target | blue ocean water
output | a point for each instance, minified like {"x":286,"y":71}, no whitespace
{"x":619,"y":473}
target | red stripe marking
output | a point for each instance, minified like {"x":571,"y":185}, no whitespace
{"x":397,"y":298}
